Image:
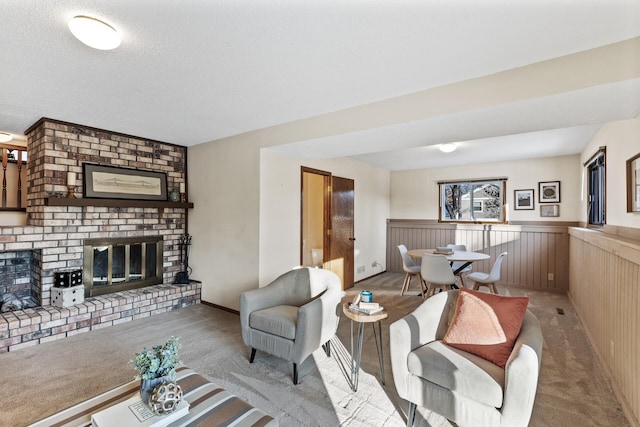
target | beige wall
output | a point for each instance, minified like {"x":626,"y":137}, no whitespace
{"x":224,"y":187}
{"x":414,"y":193}
{"x":622,"y":139}
{"x":246,"y":218}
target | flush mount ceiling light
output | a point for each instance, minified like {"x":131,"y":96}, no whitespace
{"x":5,"y":137}
{"x":94,"y":33}
{"x":448,"y":147}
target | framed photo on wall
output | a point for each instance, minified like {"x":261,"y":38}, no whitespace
{"x":549,"y":210}
{"x":523,"y":199}
{"x":633,"y":184}
{"x":549,"y":192}
{"x":110,"y":182}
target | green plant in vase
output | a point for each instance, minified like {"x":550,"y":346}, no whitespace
{"x":156,"y":366}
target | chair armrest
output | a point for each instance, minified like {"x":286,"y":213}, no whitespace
{"x":425,"y":324}
{"x":400,"y":333}
{"x":521,"y":374}
{"x":317,"y":323}
{"x":258,"y":299}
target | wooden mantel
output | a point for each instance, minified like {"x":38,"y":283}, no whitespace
{"x":115,"y":203}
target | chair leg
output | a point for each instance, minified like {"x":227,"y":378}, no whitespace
{"x":411,"y":416}
{"x":492,"y":288}
{"x":295,"y":374}
{"x":405,"y":284}
{"x":253,"y":355}
{"x":327,"y":348}
{"x":462,"y":280}
{"x":423,"y":286}
{"x":476,"y":286}
{"x":430,"y":291}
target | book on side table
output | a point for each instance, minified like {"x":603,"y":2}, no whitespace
{"x":367,"y":307}
{"x":132,"y":412}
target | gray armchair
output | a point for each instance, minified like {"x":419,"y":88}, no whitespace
{"x":460,"y":386}
{"x":292,"y":316}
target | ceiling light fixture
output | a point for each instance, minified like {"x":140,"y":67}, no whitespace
{"x":5,"y":137}
{"x":448,"y":147}
{"x":94,"y":33}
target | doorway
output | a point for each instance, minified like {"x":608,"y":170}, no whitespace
{"x":326,"y":222}
{"x":314,"y":217}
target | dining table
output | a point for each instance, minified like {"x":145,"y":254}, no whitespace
{"x":465,"y":258}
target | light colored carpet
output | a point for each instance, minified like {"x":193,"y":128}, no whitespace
{"x":46,"y":378}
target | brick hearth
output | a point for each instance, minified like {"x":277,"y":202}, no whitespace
{"x":24,"y":328}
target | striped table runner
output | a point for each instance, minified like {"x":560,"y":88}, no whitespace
{"x":209,"y":406}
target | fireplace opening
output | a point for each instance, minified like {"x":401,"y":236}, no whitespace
{"x":112,"y":265}
{"x":19,"y":278}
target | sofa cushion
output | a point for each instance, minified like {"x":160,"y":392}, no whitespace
{"x":279,"y":320}
{"x":486,"y":325}
{"x":464,"y":373}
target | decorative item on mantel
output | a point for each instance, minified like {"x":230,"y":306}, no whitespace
{"x":157,"y":372}
{"x":67,"y":288}
{"x":182,"y":278}
{"x":183,"y":194}
{"x":174,"y":196}
{"x":71,"y":185}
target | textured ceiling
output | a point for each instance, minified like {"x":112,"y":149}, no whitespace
{"x":196,"y":71}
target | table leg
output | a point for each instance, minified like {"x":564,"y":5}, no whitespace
{"x":379,"y":347}
{"x":462,"y":267}
{"x":356,"y":355}
{"x":458,"y":270}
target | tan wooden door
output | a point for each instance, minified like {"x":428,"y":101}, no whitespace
{"x":342,"y":238}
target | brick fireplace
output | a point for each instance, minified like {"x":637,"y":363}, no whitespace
{"x":57,"y":228}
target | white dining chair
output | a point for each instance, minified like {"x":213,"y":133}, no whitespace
{"x":488,"y":280}
{"x":437,"y":272}
{"x":457,"y":264}
{"x":411,"y":269}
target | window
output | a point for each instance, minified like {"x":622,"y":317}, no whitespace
{"x":596,"y":207}
{"x":472,"y":201}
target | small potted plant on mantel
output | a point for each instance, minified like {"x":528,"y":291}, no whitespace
{"x":156,"y":366}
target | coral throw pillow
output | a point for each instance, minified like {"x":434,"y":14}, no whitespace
{"x":486,"y":325}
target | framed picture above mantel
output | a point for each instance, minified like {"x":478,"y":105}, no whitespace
{"x":633,"y":184}
{"x":110,"y":182}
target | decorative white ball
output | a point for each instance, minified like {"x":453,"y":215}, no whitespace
{"x":165,"y":398}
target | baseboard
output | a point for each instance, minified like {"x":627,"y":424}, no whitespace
{"x":219,"y":307}
{"x":628,"y":412}
{"x":370,"y":277}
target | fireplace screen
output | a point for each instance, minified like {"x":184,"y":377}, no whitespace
{"x":114,"y":265}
